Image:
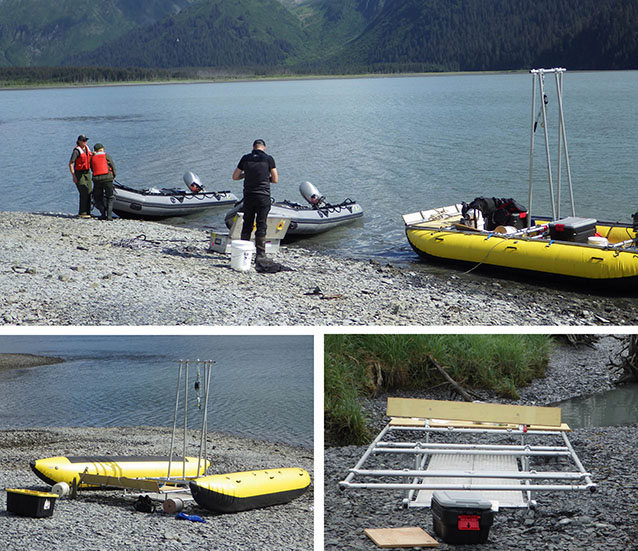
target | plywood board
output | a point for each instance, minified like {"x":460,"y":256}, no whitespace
{"x":471,"y":411}
{"x":121,"y":482}
{"x":410,"y":536}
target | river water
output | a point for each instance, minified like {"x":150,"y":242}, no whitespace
{"x":616,"y":407}
{"x":396,"y":145}
{"x":261,"y":386}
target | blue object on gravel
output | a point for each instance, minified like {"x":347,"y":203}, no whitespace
{"x":193,"y":518}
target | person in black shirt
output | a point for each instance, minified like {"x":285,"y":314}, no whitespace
{"x":258,"y":171}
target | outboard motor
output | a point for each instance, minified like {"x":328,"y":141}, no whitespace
{"x":635,"y":217}
{"x":311,"y":194}
{"x":193,"y":182}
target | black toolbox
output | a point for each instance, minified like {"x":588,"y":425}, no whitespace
{"x":573,"y":229}
{"x":30,"y":503}
{"x":461,"y":517}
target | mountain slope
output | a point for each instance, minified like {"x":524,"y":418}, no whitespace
{"x":321,"y":36}
{"x":329,"y":24}
{"x":496,"y":34}
{"x":212,"y":33}
{"x":37,"y":32}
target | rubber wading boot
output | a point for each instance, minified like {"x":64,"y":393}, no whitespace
{"x":260,"y":245}
{"x":109,"y":208}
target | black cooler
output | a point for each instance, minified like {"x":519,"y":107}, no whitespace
{"x":574,"y":229}
{"x":30,"y":503}
{"x":461,"y":517}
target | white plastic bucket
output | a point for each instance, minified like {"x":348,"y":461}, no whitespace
{"x":598,"y":241}
{"x":241,"y":255}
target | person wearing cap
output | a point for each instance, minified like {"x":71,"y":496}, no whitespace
{"x":80,"y":168}
{"x":103,"y":169}
{"x":258,"y":171}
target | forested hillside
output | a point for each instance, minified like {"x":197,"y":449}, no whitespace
{"x":471,"y":35}
{"x":212,"y":33}
{"x":216,"y":37}
{"x":42,"y":32}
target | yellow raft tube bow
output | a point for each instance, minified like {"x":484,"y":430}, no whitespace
{"x":441,"y":239}
{"x":66,"y":468}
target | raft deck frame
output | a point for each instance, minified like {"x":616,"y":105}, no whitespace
{"x":508,"y":474}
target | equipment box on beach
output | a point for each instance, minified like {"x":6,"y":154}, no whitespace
{"x":461,"y":517}
{"x":30,"y":503}
{"x":276,"y":229}
{"x":573,"y":229}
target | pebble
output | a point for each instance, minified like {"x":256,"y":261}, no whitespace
{"x":605,"y":520}
{"x":171,"y":276}
{"x":101,"y":520}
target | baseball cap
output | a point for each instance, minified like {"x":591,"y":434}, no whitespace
{"x":259,"y":142}
{"x":98,"y":146}
{"x":82,"y":138}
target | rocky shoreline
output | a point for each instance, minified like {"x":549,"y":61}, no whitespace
{"x":606,"y":520}
{"x":60,"y":270}
{"x":106,"y":519}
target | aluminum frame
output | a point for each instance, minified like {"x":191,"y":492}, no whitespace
{"x":528,"y":480}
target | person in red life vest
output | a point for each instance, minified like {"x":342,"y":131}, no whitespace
{"x":103,"y":169}
{"x":80,"y":167}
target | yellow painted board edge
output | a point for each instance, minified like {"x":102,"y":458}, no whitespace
{"x":441,"y":423}
{"x":474,"y":411}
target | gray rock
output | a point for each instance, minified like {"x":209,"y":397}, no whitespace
{"x":166,"y":269}
{"x":105,"y":519}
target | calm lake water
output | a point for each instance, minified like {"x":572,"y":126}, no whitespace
{"x":396,"y":145}
{"x":261,"y":386}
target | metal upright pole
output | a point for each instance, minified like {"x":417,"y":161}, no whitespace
{"x":201,"y":433}
{"x":531,"y":151}
{"x":185,"y":421}
{"x":560,"y":141}
{"x":561,"y":116}
{"x":547,"y":155}
{"x":170,"y":455}
{"x":206,"y":393}
{"x":204,"y":431}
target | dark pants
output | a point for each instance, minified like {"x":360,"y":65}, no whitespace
{"x":255,"y":207}
{"x":103,"y":197}
{"x":84,"y":186}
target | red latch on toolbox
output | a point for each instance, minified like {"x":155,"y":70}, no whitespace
{"x":469,"y":522}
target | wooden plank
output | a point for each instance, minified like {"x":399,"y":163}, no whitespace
{"x":121,"y":482}
{"x":444,"y":423}
{"x":411,"y":536}
{"x":471,"y":411}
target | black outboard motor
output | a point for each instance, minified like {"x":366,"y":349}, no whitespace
{"x":635,"y":217}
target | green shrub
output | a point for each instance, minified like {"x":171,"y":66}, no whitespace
{"x":360,"y":365}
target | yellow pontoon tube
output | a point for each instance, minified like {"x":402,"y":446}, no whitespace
{"x":234,"y":492}
{"x":577,"y":260}
{"x":64,"y":469}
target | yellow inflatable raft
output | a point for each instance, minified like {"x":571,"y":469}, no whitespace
{"x":234,"y":492}
{"x":65,"y":468}
{"x":613,"y":257}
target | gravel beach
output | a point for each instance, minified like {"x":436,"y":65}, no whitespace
{"x":101,"y":520}
{"x":606,"y":520}
{"x":57,"y":269}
